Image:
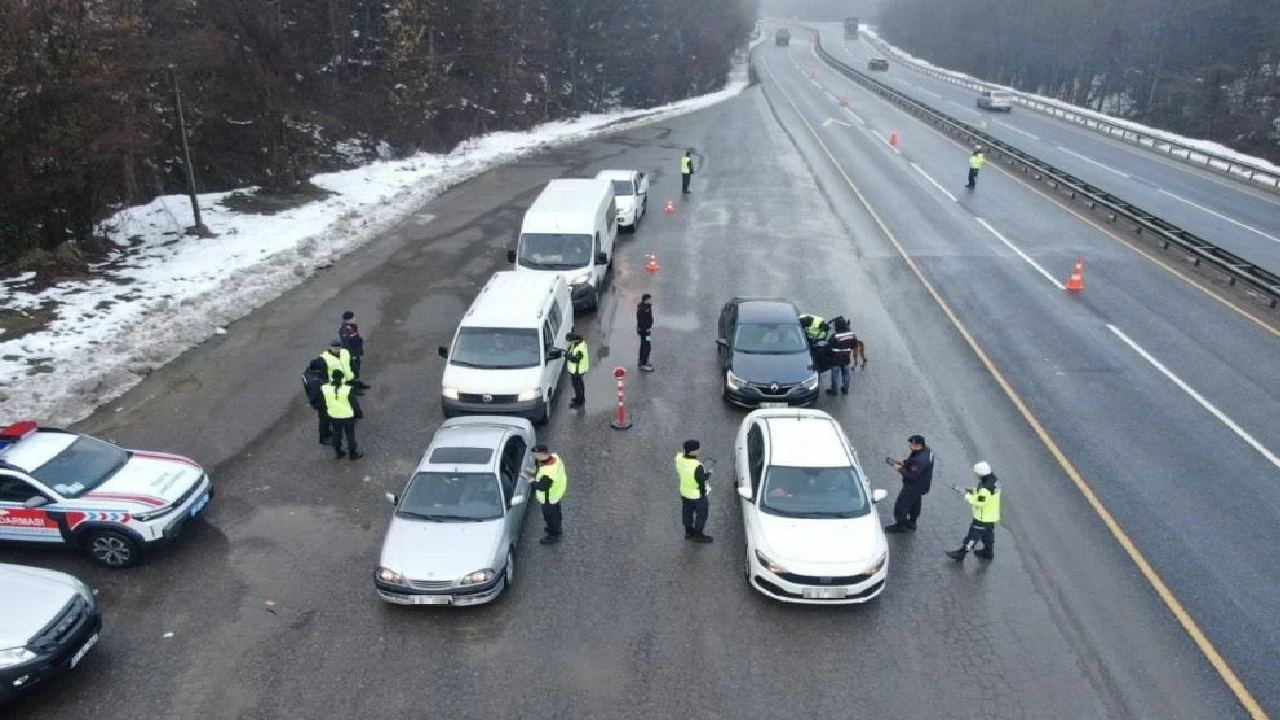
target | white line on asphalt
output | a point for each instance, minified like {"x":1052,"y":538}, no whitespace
{"x":1217,"y":214}
{"x":1095,"y":162}
{"x":927,"y":92}
{"x":1017,"y":130}
{"x":855,"y":116}
{"x":966,"y":108}
{"x":1021,"y":254}
{"x":1231,"y":424}
{"x":935,"y":182}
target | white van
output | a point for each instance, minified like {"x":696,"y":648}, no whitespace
{"x":509,"y":348}
{"x":570,"y":230}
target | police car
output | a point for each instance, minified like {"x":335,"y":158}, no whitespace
{"x":61,"y":487}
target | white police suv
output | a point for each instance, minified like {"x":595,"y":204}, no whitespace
{"x":61,"y":487}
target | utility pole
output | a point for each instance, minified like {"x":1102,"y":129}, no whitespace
{"x":198,"y":228}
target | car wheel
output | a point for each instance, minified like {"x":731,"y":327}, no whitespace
{"x":510,"y":572}
{"x":112,"y":549}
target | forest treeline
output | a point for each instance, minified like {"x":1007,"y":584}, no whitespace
{"x":1206,"y":69}
{"x":274,"y":90}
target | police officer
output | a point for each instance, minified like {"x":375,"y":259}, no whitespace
{"x":549,"y":485}
{"x":917,"y":478}
{"x":985,"y":503}
{"x":843,"y":350}
{"x":353,"y":343}
{"x":976,"y":161}
{"x":337,"y":358}
{"x":312,"y":380}
{"x":644,"y":327}
{"x":815,"y":328}
{"x":694,"y":486}
{"x":344,"y":410}
{"x":579,"y":358}
{"x":686,"y":171}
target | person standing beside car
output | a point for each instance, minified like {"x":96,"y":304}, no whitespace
{"x":644,"y":327}
{"x":917,"y":478}
{"x":844,"y":350}
{"x":312,"y":382}
{"x":694,"y":485}
{"x":549,"y":484}
{"x":579,"y":362}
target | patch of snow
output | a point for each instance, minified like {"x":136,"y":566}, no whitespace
{"x":165,"y":292}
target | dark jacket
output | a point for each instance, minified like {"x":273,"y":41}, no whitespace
{"x":841,"y":348}
{"x":917,"y":471}
{"x":312,"y":378}
{"x":644,"y":317}
{"x":349,"y":334}
{"x":701,"y":476}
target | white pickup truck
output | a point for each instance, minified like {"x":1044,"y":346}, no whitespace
{"x":631,"y":195}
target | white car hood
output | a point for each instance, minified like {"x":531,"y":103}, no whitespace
{"x":33,"y":597}
{"x":495,"y":382}
{"x":625,"y":203}
{"x":797,"y":542}
{"x":422,"y":550}
{"x":148,"y":481}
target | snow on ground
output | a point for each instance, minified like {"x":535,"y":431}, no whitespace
{"x":1204,"y":146}
{"x":165,"y":292}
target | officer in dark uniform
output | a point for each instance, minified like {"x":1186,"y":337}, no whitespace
{"x":549,"y":485}
{"x":843,"y":351}
{"x":312,"y":380}
{"x":579,"y":362}
{"x":917,"y":478}
{"x":353,"y":343}
{"x":644,"y":327}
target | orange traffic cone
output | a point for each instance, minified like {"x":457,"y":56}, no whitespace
{"x":844,"y":101}
{"x":670,"y":208}
{"x":1076,"y":282}
{"x":893,"y":139}
{"x":652,"y":265}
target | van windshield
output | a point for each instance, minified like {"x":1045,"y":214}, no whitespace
{"x":554,"y":251}
{"x":497,"y":348}
{"x":622,"y":188}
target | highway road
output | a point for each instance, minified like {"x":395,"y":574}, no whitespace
{"x":1243,"y":220}
{"x":625,"y":619}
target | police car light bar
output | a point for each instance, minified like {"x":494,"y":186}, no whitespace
{"x":17,"y":431}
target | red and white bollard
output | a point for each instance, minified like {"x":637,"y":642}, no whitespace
{"x":620,"y":422}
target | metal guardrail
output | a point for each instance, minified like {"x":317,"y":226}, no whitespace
{"x":1201,"y":253}
{"x":1238,"y":169}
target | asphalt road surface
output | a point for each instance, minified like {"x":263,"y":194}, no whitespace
{"x":1243,"y":220}
{"x":625,"y":619}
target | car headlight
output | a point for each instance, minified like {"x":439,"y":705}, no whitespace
{"x":389,"y":576}
{"x":580,"y":279}
{"x":10,"y":657}
{"x":769,"y":565}
{"x":812,"y":382}
{"x":478,"y":577}
{"x":878,"y":565}
{"x":451,"y":393}
{"x":533,"y":394}
{"x":733,"y":382}
{"x":154,"y":514}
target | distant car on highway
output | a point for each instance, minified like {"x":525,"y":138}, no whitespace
{"x":764,"y":356}
{"x":877,"y":64}
{"x":782,"y":37}
{"x":59,"y":487}
{"x":812,"y":532}
{"x":50,"y":622}
{"x":452,"y":539}
{"x":995,"y":100}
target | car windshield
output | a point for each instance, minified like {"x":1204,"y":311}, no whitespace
{"x":84,"y":465}
{"x":814,"y":493}
{"x":496,"y":348}
{"x":770,"y":339}
{"x":554,"y":251}
{"x":622,"y":188}
{"x":452,"y":497}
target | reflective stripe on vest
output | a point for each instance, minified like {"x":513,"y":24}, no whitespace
{"x":583,"y":364}
{"x":341,"y":361}
{"x":337,"y":401}
{"x":686,"y":164}
{"x":986,"y":505}
{"x":686,"y":470}
{"x":559,"y":479}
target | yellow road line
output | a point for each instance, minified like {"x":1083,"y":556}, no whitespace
{"x":1184,"y":618}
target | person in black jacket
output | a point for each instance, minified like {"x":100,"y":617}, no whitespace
{"x":349,"y":334}
{"x":312,"y":378}
{"x":917,"y":478}
{"x":644,"y":327}
{"x":843,"y":352}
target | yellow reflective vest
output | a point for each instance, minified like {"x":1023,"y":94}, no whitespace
{"x":687,"y":471}
{"x":341,"y":361}
{"x":814,"y":329}
{"x":985,"y":503}
{"x":584,"y":363}
{"x":337,"y":401}
{"x":554,"y":471}
{"x":686,"y":165}
{"x":977,"y":161}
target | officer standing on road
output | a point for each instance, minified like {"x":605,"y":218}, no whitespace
{"x":579,"y":363}
{"x":353,"y":343}
{"x":694,"y":485}
{"x":985,"y":502}
{"x":917,"y":478}
{"x":344,"y":410}
{"x":844,"y":350}
{"x":549,"y":486}
{"x":312,"y":382}
{"x":686,"y":171}
{"x":337,"y":358}
{"x":976,"y":161}
{"x":644,"y":327}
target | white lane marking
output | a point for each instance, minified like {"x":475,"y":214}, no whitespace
{"x":855,"y":116}
{"x":1231,"y":424}
{"x":966,"y":108}
{"x":927,"y":92}
{"x":935,"y":182}
{"x":1017,"y":130}
{"x":885,"y":140}
{"x":1021,"y":254}
{"x":1073,"y":153}
{"x":1217,"y":214}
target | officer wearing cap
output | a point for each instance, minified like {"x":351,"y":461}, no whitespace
{"x":549,"y":485}
{"x":917,"y":477}
{"x":694,"y":485}
{"x":984,"y":500}
{"x":337,"y":358}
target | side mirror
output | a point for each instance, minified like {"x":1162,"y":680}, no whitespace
{"x":35,"y":502}
{"x":744,"y":492}
{"x":511,"y":256}
{"x":879,"y":494}
{"x":517,"y":500}
{"x":722,"y":343}
{"x":443,"y":352}
{"x":602,"y":259}
{"x":555,"y":353}
{"x":391,"y":498}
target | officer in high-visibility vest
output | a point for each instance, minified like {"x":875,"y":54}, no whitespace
{"x":343,"y":409}
{"x":815,"y":327}
{"x":976,"y":161}
{"x":579,"y":362}
{"x":985,"y":502}
{"x":686,"y":171}
{"x":337,"y":358}
{"x":695,"y":481}
{"x":549,"y":485}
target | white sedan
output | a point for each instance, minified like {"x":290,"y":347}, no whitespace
{"x":812,"y":532}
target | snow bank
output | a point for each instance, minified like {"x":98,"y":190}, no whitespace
{"x":164,"y":293}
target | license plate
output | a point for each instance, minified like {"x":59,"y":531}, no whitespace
{"x":81,"y":652}
{"x":771,"y":406}
{"x":824,"y":593}
{"x":199,"y":505}
{"x":432,"y":600}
